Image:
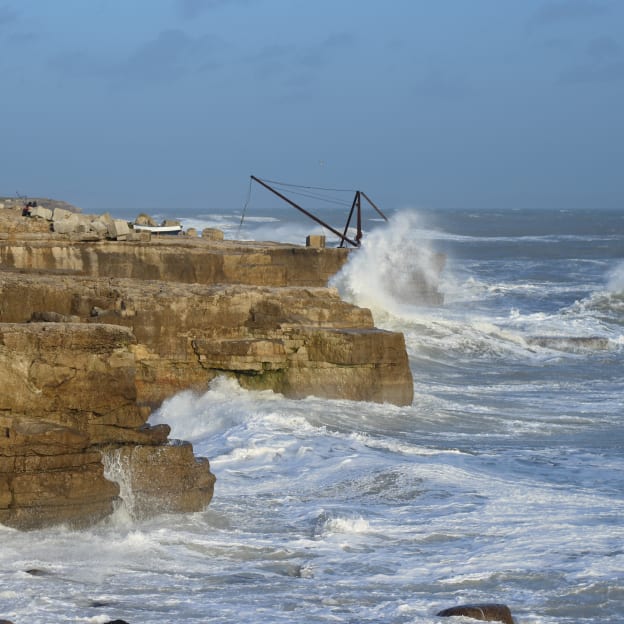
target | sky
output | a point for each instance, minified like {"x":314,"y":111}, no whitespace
{"x":114,"y":105}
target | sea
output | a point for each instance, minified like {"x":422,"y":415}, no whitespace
{"x":502,"y":482}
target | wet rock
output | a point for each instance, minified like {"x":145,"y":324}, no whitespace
{"x":37,"y":572}
{"x":76,"y":382}
{"x":484,"y":612}
{"x":298,"y":341}
{"x":157,"y":317}
{"x":572,"y":344}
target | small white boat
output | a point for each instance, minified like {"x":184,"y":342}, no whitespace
{"x":158,"y":229}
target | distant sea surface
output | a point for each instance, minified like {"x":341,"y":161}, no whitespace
{"x":503,"y":481}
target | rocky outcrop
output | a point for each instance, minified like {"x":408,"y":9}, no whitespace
{"x":49,"y":474}
{"x":69,"y":394}
{"x":96,"y":333}
{"x":297,"y":341}
{"x":174,"y":259}
{"x":485,"y":612}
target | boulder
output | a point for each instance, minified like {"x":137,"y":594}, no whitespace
{"x":166,"y":477}
{"x":118,"y":229}
{"x":145,"y":219}
{"x":484,"y":612}
{"x":41,"y":213}
{"x":60,"y":214}
{"x":100,"y":227}
{"x":67,"y":225}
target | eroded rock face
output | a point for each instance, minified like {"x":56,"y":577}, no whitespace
{"x":95,"y":334}
{"x":168,"y":475}
{"x":74,"y":374}
{"x":49,"y":475}
{"x":68,"y":393}
{"x":297,"y":341}
{"x":175,"y":259}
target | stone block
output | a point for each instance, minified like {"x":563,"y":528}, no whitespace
{"x":212,"y":234}
{"x":70,"y":225}
{"x":99,"y":227}
{"x":41,"y":213}
{"x":60,"y":214}
{"x":118,"y":229}
{"x":165,"y":478}
{"x":315,"y":240}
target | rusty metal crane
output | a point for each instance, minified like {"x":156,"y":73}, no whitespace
{"x":356,"y":207}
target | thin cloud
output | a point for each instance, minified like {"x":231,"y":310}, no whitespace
{"x":558,"y":12}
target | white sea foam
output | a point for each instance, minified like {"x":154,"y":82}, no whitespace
{"x":501,"y":482}
{"x":346,"y":525}
{"x":382,"y":273}
{"x":615,"y":279}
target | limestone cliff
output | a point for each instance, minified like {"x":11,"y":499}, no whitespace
{"x":96,"y":333}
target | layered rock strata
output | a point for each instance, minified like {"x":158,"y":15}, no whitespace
{"x":69,"y":395}
{"x":297,"y":341}
{"x":95,"y":334}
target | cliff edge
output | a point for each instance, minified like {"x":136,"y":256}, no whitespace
{"x":96,"y":332}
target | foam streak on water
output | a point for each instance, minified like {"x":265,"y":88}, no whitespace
{"x":503,"y":481}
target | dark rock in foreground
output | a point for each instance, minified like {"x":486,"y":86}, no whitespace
{"x":484,"y":612}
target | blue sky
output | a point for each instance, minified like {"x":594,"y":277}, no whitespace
{"x":112,"y":104}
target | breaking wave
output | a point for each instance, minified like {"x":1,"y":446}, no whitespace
{"x":395,"y":266}
{"x":615,"y":283}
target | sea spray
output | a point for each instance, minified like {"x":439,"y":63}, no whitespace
{"x":503,"y":481}
{"x":117,"y":470}
{"x":395,"y":266}
{"x":615,"y":277}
